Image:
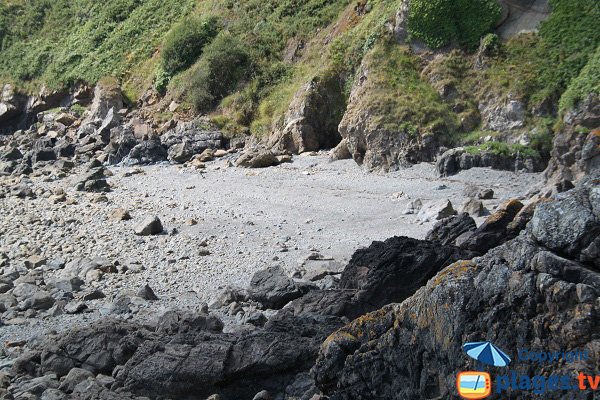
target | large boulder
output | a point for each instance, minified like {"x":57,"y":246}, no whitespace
{"x":257,"y":158}
{"x":495,"y":229}
{"x":448,"y":230}
{"x":521,"y":295}
{"x":122,"y":141}
{"x":311,"y":121}
{"x":390,"y":271}
{"x":146,"y":152}
{"x":273,"y":288}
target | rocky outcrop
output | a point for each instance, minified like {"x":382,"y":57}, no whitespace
{"x":532,"y":292}
{"x":502,"y":115}
{"x":189,"y":139}
{"x":455,"y":160}
{"x":393,"y":270}
{"x":372,"y":143}
{"x":11,"y":104}
{"x":107,"y":97}
{"x":188,"y":354}
{"x":311,"y":121}
{"x":576,"y":149}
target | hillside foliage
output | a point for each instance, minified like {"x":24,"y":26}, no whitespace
{"x":242,"y":61}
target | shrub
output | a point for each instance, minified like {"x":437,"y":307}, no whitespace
{"x":184,"y":44}
{"x":161,"y":80}
{"x":439,"y":22}
{"x":587,"y":82}
{"x":223,"y":64}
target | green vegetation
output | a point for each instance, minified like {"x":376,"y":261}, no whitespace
{"x":185,"y":42}
{"x":399,"y":100}
{"x":58,"y":42}
{"x":222,"y":66}
{"x":503,"y":149}
{"x":586,"y":83}
{"x":570,"y":37}
{"x":440,"y":22}
{"x":243,"y":61}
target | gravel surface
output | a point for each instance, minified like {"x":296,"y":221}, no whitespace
{"x":243,"y":221}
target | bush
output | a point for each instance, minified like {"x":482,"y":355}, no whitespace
{"x":223,"y":64}
{"x":439,"y":22}
{"x":184,"y":44}
{"x":586,"y":83}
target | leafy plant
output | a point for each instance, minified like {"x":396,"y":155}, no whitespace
{"x":184,"y":43}
{"x":223,"y":64}
{"x":439,"y":22}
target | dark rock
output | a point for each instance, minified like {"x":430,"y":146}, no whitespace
{"x":93,"y":181}
{"x":149,"y":226}
{"x":147,"y":152}
{"x":75,"y":307}
{"x":11,"y":155}
{"x":147,"y":293}
{"x":40,"y":300}
{"x":570,"y":225}
{"x":455,"y":160}
{"x":494,"y":231}
{"x":486,"y":194}
{"x":73,"y":378}
{"x":516,"y":295}
{"x":122,"y":141}
{"x":273,"y":288}
{"x":390,"y":271}
{"x":449,"y":229}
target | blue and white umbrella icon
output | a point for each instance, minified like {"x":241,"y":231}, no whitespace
{"x":487,"y":353}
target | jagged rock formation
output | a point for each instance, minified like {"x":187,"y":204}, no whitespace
{"x":311,"y":121}
{"x":538,"y":290}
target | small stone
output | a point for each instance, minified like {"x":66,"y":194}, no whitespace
{"x":147,"y":293}
{"x":149,"y":226}
{"x":73,"y":378}
{"x":191,"y":222}
{"x":35,"y":261}
{"x":486,"y":194}
{"x":473,"y":207}
{"x":75,"y":307}
{"x":120,"y":214}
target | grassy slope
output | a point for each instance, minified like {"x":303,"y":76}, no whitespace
{"x":57,"y":42}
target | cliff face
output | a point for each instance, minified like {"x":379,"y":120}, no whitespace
{"x":576,"y":149}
